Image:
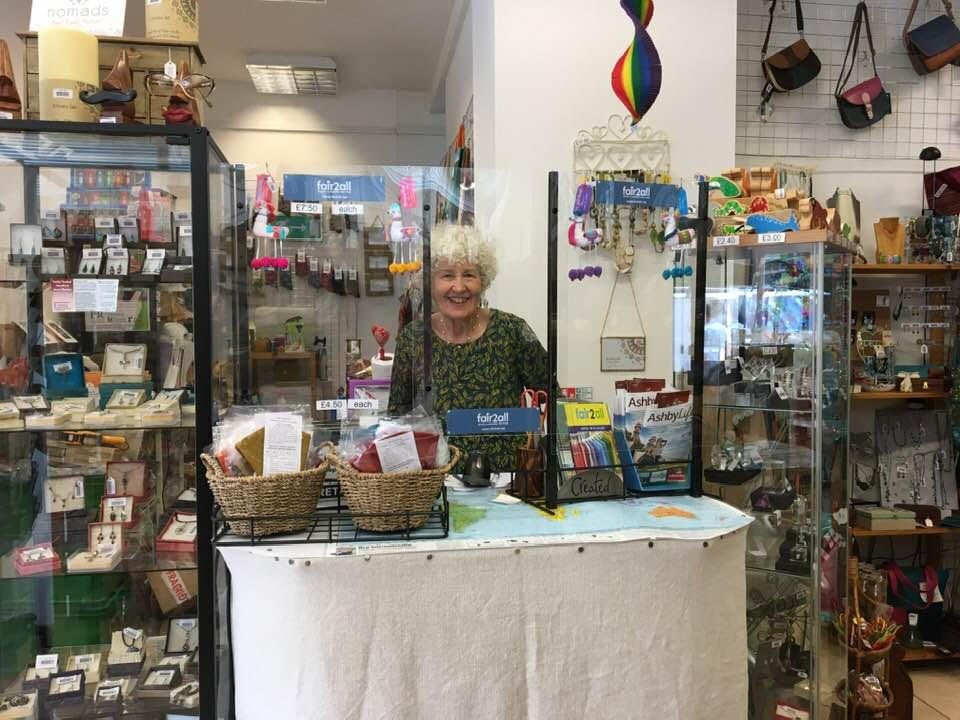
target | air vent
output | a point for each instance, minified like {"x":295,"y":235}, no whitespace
{"x":293,"y":75}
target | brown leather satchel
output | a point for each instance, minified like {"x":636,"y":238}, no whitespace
{"x":10,"y":106}
{"x":934,"y":44}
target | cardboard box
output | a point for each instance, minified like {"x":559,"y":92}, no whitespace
{"x":882,"y":518}
{"x":173,"y":588}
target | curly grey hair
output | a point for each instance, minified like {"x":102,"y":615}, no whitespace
{"x":464,"y":244}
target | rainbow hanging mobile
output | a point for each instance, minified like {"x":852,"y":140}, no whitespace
{"x":637,"y":75}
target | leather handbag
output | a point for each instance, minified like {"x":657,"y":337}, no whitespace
{"x":791,"y":68}
{"x":935,"y":43}
{"x":866,"y":103}
{"x":942,"y":189}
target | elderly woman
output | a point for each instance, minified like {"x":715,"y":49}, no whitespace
{"x":482,"y":358}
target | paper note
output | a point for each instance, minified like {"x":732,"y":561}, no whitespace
{"x":62,"y":296}
{"x":84,"y":295}
{"x":107,"y":291}
{"x":398,"y":453}
{"x":281,"y":444}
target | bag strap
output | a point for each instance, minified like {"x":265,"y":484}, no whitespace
{"x":773,"y":5}
{"x":896,"y":579}
{"x":860,"y":18}
{"x":947,"y":6}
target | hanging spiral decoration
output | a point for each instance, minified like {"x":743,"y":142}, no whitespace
{"x":637,"y":76}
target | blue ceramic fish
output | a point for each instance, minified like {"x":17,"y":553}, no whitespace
{"x":762,"y":224}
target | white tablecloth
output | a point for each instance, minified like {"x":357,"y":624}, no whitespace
{"x":546,"y":632}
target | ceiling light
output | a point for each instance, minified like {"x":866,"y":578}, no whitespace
{"x":293,"y":74}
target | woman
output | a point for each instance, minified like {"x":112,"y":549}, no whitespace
{"x":482,"y":358}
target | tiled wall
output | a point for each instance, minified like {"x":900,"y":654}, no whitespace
{"x":806,"y":123}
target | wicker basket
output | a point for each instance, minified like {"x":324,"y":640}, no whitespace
{"x":292,"y":496}
{"x":388,"y":502}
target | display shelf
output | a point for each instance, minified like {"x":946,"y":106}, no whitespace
{"x":904,"y":269}
{"x":895,"y":395}
{"x":144,"y":563}
{"x":796,"y":237}
{"x":185,"y":423}
{"x":757,"y":408}
{"x":926,"y":654}
{"x":282,"y":355}
{"x":914,"y":532}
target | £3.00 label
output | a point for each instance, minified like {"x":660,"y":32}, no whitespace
{"x":771,"y":238}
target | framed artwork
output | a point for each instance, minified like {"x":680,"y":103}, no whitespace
{"x":379,"y":285}
{"x":623,"y":354}
{"x":378,"y":261}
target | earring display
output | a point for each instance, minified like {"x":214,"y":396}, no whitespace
{"x":88,"y":664}
{"x":52,"y":225}
{"x":128,"y":478}
{"x":64,"y":376}
{"x":53,"y":261}
{"x":183,"y":636}
{"x":153,"y":263}
{"x":105,"y":226}
{"x":39,"y":559}
{"x":66,"y":688}
{"x":90,"y":262}
{"x":109,"y":694}
{"x":129,"y":229}
{"x":63,"y":494}
{"x":118,"y":510}
{"x":118,"y":262}
{"x":159,"y":682}
{"x":25,"y":240}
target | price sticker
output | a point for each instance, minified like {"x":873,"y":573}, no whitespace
{"x":62,"y":94}
{"x":92,"y":254}
{"x":306,"y":208}
{"x":108,"y":693}
{"x":104,"y":223}
{"x":108,"y":120}
{"x":346,"y":209}
{"x":338,"y":274}
{"x":301,"y":257}
{"x":726,"y":241}
{"x":781,"y":393}
{"x":187,"y":623}
{"x":113,"y":241}
{"x":352,"y":273}
{"x":332,"y":405}
{"x":120,"y":502}
{"x":128,"y":222}
{"x":880,"y":352}
{"x":769,"y":350}
{"x":771,"y":238}
{"x":327,"y":267}
{"x":47,"y":662}
{"x":4,"y":115}
{"x":51,"y":215}
{"x":186,"y":231}
{"x":182,"y":217}
{"x":132,"y":633}
{"x":54,"y":253}
{"x":314,"y":264}
{"x":363,"y":404}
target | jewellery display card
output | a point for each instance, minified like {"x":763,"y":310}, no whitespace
{"x":179,"y":535}
{"x":10,"y":417}
{"x":46,"y":665}
{"x":160,"y":681}
{"x":53,"y":261}
{"x":126,"y":478}
{"x":185,"y":241}
{"x":88,"y":664}
{"x":129,"y":230}
{"x":90,"y":262}
{"x":52,"y":225}
{"x":25,"y":240}
{"x":127,"y":647}
{"x":153,"y":263}
{"x":105,"y":535}
{"x":31,"y":403}
{"x":108,"y":694}
{"x":103,"y":559}
{"x":103,"y":419}
{"x":118,"y":261}
{"x":183,"y":636}
{"x":187,"y":696}
{"x":63,"y":494}
{"x":117,"y":509}
{"x":126,"y":399}
{"x":66,"y":688}
{"x":105,"y":226}
{"x":128,"y":361}
{"x":37,"y":559}
{"x":38,"y":421}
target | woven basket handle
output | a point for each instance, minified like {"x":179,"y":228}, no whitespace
{"x":212,"y":465}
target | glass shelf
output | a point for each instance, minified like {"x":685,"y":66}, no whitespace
{"x":126,"y":426}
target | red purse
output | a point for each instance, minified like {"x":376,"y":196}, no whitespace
{"x":943,"y":191}
{"x":369,"y":460}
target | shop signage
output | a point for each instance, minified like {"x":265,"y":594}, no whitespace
{"x":100,"y":17}
{"x":632,"y":193}
{"x":335,"y":188}
{"x":493,"y":421}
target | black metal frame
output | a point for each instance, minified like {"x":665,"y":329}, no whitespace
{"x":702,"y":225}
{"x":200,"y":144}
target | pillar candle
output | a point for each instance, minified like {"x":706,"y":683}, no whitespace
{"x":69,"y":63}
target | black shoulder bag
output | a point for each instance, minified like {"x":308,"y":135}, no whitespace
{"x":791,"y":68}
{"x":866,"y":103}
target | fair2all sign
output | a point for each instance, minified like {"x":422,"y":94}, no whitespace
{"x":100,"y":17}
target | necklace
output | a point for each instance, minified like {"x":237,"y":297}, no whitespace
{"x":919,"y":481}
{"x":187,"y":636}
{"x":920,"y":436}
{"x":471,"y":333}
{"x":902,"y":440}
{"x":55,"y":497}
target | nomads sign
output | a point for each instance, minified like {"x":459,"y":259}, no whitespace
{"x":100,"y":17}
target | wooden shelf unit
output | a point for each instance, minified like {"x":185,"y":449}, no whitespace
{"x":915,"y":532}
{"x":902,"y":269}
{"x":894,"y":395}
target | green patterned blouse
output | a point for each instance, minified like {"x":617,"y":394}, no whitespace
{"x":490,"y":372}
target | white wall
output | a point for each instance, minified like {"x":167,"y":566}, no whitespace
{"x":458,"y":84}
{"x":543,"y":74}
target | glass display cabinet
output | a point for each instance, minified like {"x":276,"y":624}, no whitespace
{"x":104,"y":527}
{"x":775,"y":425}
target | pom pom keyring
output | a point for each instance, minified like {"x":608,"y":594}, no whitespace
{"x":579,"y":237}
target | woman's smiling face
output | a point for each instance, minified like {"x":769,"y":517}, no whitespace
{"x":456,"y":289}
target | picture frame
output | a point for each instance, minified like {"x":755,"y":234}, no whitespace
{"x":375,"y":236}
{"x":353,"y":348}
{"x":377,"y":261}
{"x":378,"y":285}
{"x":623,"y":354}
